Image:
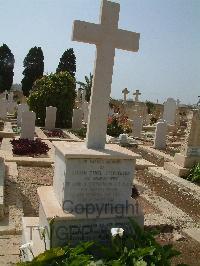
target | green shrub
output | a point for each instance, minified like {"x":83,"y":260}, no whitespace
{"x":114,"y":128}
{"x":56,"y":90}
{"x":194,"y":175}
{"x":150,"y":107}
{"x":81,"y":132}
{"x":138,"y":249}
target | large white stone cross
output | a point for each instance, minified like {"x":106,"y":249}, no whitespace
{"x":106,"y":36}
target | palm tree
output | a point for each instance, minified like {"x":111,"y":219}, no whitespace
{"x":87,"y":85}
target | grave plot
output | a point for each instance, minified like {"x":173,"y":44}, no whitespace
{"x":80,"y":133}
{"x":27,"y":147}
{"x":56,"y":134}
{"x":28,"y":152}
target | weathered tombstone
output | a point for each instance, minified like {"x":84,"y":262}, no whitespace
{"x":89,"y":176}
{"x":83,"y":96}
{"x":191,"y":146}
{"x":11,"y":103}
{"x":50,"y":120}
{"x":136,"y":94}
{"x":3,"y":108}
{"x":10,"y":96}
{"x":125,"y":93}
{"x":5,"y":95}
{"x":23,"y":107}
{"x":123,"y":139}
{"x":85,"y":109}
{"x":170,"y":108}
{"x":11,"y":107}
{"x":79,"y":94}
{"x":160,"y":135}
{"x":137,"y":124}
{"x":190,"y":150}
{"x":77,"y":119}
{"x":28,"y":125}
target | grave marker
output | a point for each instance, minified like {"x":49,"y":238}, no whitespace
{"x":28,"y":125}
{"x":136,"y":94}
{"x":137,"y":124}
{"x":23,"y":107}
{"x":3,"y":108}
{"x":160,"y":135}
{"x":106,"y":36}
{"x":169,"y":114}
{"x":77,"y":119}
{"x":50,"y":120}
{"x":125,"y":93}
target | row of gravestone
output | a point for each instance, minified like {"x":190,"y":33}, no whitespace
{"x":7,"y":105}
{"x":26,"y":120}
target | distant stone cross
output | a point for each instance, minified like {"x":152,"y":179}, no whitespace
{"x":178,"y":102}
{"x":198,"y":103}
{"x":106,"y":36}
{"x":125,"y":92}
{"x":136,"y":94}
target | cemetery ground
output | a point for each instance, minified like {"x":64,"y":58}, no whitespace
{"x":168,"y":206}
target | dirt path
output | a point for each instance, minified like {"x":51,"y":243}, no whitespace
{"x":29,"y":179}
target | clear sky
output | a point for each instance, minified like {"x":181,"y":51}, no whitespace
{"x":167,"y":64}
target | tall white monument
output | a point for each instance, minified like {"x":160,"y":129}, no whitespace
{"x":91,"y":175}
{"x":106,"y":36}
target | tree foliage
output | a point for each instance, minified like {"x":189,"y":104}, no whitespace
{"x":56,"y":90}
{"x":150,"y":107}
{"x":67,"y":62}
{"x":7,"y":62}
{"x":33,"y":69}
{"x":87,"y":85}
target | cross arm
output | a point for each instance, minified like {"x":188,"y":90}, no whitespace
{"x":127,"y":40}
{"x":86,"y":32}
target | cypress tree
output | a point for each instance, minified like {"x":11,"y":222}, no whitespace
{"x":7,"y":62}
{"x":67,"y":62}
{"x":33,"y":69}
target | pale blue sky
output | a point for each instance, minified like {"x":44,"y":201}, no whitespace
{"x":167,"y":64}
